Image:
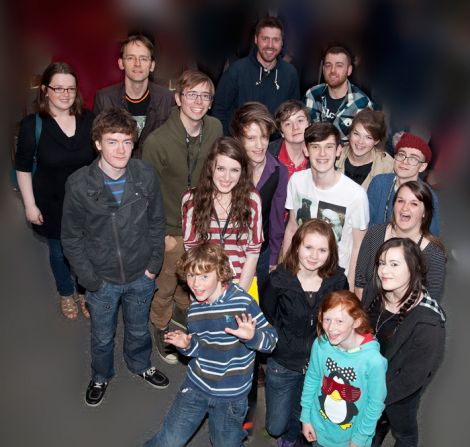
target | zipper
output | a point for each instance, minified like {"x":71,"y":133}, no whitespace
{"x":304,"y":370}
{"x":118,"y":247}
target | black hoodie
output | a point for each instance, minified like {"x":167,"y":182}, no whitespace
{"x":285,"y":306}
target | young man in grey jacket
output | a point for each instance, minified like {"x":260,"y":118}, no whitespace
{"x":113,"y":228}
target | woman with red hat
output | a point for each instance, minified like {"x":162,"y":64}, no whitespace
{"x":412,"y":156}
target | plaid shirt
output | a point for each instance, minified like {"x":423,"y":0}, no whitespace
{"x":355,"y":100}
{"x":432,"y":304}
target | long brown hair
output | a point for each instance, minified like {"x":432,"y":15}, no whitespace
{"x":351,"y":304}
{"x":42,"y":101}
{"x":203,"y":194}
{"x":291,"y":260}
{"x":423,"y":194}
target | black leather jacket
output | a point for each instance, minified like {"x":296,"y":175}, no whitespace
{"x":104,"y":241}
{"x":285,"y":306}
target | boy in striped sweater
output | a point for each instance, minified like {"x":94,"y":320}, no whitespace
{"x":225,"y":328}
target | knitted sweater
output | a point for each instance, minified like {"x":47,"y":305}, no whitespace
{"x":222,"y":364}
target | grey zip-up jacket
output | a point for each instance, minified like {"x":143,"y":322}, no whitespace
{"x":107,"y":242}
{"x":161,"y":102}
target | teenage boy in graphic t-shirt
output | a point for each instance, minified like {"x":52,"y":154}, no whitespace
{"x":326,"y":193}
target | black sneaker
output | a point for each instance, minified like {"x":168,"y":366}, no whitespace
{"x":166,"y":352}
{"x":155,"y":378}
{"x":95,"y":393}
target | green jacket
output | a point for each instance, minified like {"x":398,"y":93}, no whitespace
{"x":166,"y":149}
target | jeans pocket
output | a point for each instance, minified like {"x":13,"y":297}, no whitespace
{"x":277,"y":369}
{"x":238,"y":409}
{"x":144,"y":289}
{"x":149,"y":280}
{"x":101,"y":298}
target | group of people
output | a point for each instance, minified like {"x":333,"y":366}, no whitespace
{"x":296,"y":235}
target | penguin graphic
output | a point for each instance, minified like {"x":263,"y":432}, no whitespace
{"x":338,"y":395}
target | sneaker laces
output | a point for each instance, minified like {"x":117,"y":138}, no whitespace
{"x":150,"y":371}
{"x":98,"y":385}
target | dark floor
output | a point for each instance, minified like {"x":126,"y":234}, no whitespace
{"x":45,"y":365}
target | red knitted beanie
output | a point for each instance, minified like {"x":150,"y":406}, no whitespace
{"x":415,"y":142}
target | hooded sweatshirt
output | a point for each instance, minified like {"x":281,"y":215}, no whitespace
{"x":167,"y":149}
{"x":285,"y":306}
{"x":344,"y":392}
{"x":247,"y":80}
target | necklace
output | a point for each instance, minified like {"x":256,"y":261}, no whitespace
{"x":377,"y":326}
{"x":227,"y":208}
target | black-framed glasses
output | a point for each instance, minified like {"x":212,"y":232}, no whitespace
{"x":412,"y":160}
{"x":192,"y":96}
{"x":61,"y":90}
{"x":141,"y":59}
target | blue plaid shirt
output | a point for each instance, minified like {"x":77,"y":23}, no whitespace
{"x":355,"y":100}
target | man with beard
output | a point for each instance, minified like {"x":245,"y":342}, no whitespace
{"x":261,"y":76}
{"x":336,"y":100}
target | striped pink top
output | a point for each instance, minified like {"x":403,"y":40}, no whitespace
{"x":248,"y":244}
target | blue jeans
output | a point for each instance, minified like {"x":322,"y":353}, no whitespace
{"x":60,"y":268}
{"x":103,"y":305}
{"x":262,"y":268}
{"x":189,"y":408}
{"x":283,"y":392}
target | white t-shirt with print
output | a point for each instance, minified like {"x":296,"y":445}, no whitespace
{"x":344,"y":206}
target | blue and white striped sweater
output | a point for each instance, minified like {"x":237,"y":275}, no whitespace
{"x":222,"y":364}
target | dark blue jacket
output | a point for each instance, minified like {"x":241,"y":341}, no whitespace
{"x":247,"y":80}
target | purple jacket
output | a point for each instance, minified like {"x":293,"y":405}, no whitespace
{"x":272,"y":187}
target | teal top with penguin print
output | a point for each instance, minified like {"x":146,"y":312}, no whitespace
{"x":344,"y":392}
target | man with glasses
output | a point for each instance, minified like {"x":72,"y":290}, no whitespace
{"x":177,"y":151}
{"x":146,"y":101}
{"x":412,"y":155}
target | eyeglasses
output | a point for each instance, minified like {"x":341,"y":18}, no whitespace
{"x":192,"y":96}
{"x":141,"y":59}
{"x":60,"y":90}
{"x":412,"y":160}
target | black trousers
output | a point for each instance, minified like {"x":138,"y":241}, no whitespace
{"x":401,"y":418}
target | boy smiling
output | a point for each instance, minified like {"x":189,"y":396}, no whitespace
{"x":225,"y":327}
